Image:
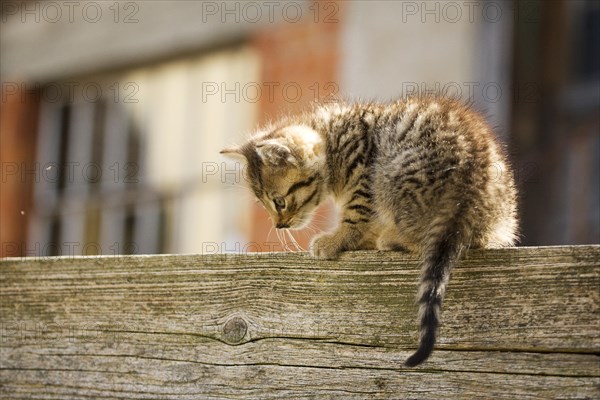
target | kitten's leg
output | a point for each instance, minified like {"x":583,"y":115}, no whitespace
{"x":388,"y":240}
{"x":348,"y":236}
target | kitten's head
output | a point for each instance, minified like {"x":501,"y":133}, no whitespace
{"x":283,"y":170}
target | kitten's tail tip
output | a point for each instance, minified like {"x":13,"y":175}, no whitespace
{"x":415,"y":359}
{"x":422,"y":354}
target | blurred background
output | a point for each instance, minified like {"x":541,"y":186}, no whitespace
{"x":113,"y":113}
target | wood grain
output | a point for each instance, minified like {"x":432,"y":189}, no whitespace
{"x":517,"y":323}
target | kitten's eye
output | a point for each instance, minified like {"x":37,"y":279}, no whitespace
{"x":279,"y":203}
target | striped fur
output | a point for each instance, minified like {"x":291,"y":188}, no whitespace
{"x":421,"y":174}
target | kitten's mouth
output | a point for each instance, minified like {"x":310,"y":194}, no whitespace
{"x":295,"y":223}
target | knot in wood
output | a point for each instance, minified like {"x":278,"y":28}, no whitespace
{"x":234,"y":330}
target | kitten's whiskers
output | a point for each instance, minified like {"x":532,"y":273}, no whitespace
{"x":298,"y":247}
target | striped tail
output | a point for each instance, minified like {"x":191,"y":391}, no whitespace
{"x":438,"y":262}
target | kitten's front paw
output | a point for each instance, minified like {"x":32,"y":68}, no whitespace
{"x":327,"y":246}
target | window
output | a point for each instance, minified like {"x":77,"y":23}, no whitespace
{"x":129,"y":162}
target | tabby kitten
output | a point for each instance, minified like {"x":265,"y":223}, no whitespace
{"x":422,"y":174}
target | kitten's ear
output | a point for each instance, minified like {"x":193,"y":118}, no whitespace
{"x":273,"y":153}
{"x":235,"y":153}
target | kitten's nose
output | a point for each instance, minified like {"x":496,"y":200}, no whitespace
{"x":282,"y":225}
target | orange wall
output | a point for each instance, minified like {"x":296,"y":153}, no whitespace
{"x":18,"y":128}
{"x":302,"y":55}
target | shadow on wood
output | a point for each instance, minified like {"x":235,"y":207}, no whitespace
{"x":517,"y":323}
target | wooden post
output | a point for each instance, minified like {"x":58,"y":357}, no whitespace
{"x":517,"y":323}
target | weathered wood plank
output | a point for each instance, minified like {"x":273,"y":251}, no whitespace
{"x":518,"y":323}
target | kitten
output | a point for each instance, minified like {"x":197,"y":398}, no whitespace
{"x":421,"y":174}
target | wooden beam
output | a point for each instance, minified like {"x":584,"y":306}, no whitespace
{"x":518,"y":323}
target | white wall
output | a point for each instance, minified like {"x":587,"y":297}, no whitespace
{"x":391,"y":47}
{"x":51,"y":40}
